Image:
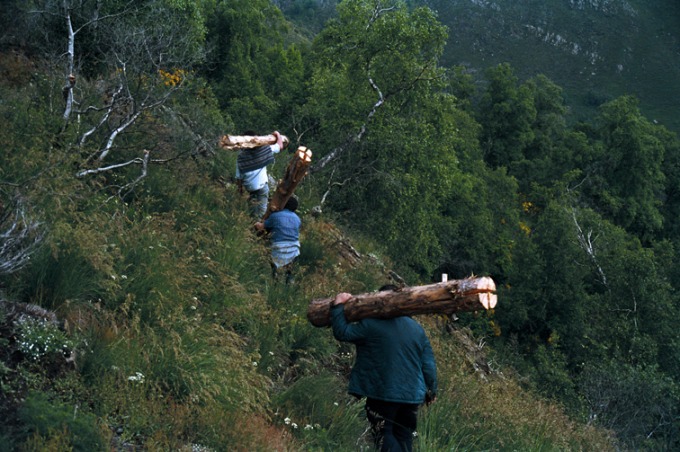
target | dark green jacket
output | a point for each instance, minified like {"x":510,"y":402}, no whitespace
{"x":394,"y":359}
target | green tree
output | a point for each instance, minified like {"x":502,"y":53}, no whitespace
{"x":507,"y":113}
{"x":630,"y":182}
{"x":638,"y":402}
{"x":548,"y":154}
{"x":671,"y":169}
{"x":257,"y":78}
{"x":377,"y":104}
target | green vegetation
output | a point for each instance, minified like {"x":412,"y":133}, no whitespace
{"x":137,"y":305}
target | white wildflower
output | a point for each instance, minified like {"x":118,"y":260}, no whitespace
{"x":138,"y":376}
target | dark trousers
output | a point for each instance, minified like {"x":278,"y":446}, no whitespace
{"x":288,"y":269}
{"x":392,"y":424}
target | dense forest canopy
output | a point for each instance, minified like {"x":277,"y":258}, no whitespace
{"x":118,"y":213}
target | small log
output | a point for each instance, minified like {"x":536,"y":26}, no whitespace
{"x":295,"y":172}
{"x":236,"y":142}
{"x":463,"y":295}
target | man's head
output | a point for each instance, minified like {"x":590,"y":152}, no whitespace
{"x":291,"y":204}
{"x":391,"y":287}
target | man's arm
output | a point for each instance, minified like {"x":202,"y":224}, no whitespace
{"x":239,"y":180}
{"x":429,"y":372}
{"x":279,"y":141}
{"x":342,"y":330}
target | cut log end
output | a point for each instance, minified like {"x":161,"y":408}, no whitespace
{"x":304,"y":154}
{"x":487,"y":295}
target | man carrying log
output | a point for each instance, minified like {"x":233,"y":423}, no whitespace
{"x":284,"y":229}
{"x":251,"y":172}
{"x":394,"y":369}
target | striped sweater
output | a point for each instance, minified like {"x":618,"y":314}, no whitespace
{"x":254,"y":159}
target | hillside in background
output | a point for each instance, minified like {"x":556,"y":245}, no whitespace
{"x":595,"y":50}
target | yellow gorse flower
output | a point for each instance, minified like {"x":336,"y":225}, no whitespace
{"x":172,"y":78}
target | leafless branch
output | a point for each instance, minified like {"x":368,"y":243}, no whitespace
{"x":104,"y":169}
{"x":145,"y":170}
{"x":377,"y":12}
{"x":70,"y":64}
{"x":356,"y":138}
{"x":587,"y":243}
{"x":131,"y":120}
{"x":104,"y":118}
{"x":19,"y":238}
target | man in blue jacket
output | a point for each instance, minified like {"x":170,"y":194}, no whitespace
{"x":395,"y":370}
{"x":284,"y":229}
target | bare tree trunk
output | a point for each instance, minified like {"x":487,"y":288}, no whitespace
{"x":295,"y":172}
{"x":235,"y":142}
{"x":463,"y":295}
{"x":70,"y":69}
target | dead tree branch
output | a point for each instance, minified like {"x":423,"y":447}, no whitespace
{"x":145,"y":170}
{"x":19,"y":237}
{"x":586,"y":241}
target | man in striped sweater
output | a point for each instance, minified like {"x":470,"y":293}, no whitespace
{"x":251,"y":173}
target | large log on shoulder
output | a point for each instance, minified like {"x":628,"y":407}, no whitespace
{"x":236,"y":142}
{"x":463,"y":295}
{"x":295,"y":172}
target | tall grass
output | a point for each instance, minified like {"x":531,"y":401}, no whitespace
{"x":482,"y":409}
{"x":190,"y":341}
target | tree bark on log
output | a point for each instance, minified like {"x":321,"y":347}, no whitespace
{"x":236,"y":142}
{"x":463,"y":295}
{"x":295,"y":172}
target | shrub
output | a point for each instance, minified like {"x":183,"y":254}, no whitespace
{"x":38,"y":338}
{"x":58,"y":423}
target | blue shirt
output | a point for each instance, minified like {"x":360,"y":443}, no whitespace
{"x":284,"y":226}
{"x":394,"y":361}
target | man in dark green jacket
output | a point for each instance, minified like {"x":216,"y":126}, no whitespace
{"x":394,"y":369}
